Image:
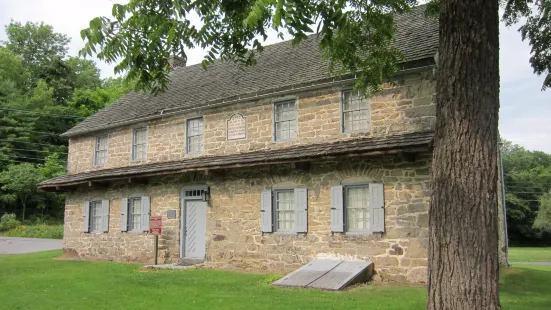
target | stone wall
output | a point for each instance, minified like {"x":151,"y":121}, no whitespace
{"x":234,"y":237}
{"x":405,"y":107}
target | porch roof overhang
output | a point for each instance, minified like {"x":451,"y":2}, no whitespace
{"x":403,"y":143}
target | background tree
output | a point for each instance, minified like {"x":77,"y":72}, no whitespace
{"x":356,"y":36}
{"x":543,"y":219}
{"x":19,"y":184}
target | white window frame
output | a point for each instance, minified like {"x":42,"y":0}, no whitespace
{"x":366,"y":210}
{"x":94,"y":204}
{"x":275,"y":211}
{"x":97,"y":150}
{"x":344,"y":112}
{"x":133,"y":145}
{"x":275,"y":122}
{"x":201,"y":135}
{"x":131,"y":227}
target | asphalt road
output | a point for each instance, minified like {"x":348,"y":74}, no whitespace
{"x":13,"y":245}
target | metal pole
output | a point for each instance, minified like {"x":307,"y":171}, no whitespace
{"x":156,"y":248}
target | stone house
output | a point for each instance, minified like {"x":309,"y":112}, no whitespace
{"x":261,"y":169}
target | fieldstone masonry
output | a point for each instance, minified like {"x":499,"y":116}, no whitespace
{"x":406,"y":106}
{"x":234,"y":237}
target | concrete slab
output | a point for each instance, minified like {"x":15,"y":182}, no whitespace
{"x":15,"y":245}
{"x":168,"y":266}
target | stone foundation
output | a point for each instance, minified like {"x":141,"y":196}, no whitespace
{"x":234,"y":237}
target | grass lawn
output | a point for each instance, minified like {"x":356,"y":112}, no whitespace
{"x":519,"y":254}
{"x":36,"y":281}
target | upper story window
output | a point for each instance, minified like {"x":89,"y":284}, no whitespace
{"x":139,"y":143}
{"x":285,"y":120}
{"x":100,"y":152}
{"x":194,"y":136}
{"x":355,"y":112}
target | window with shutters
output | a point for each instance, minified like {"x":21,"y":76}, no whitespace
{"x":139,"y":143}
{"x":100,"y":153}
{"x":96,"y":215}
{"x":355,"y":112}
{"x":135,"y":214}
{"x":284,"y":210}
{"x":194,"y":136}
{"x":358,"y":208}
{"x":285,"y":120}
{"x":357,"y":211}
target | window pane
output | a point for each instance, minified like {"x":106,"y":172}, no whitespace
{"x":135,"y":214}
{"x":285,"y":120}
{"x":95,"y":216}
{"x":194,"y":134}
{"x":357,"y":208}
{"x":285,"y":210}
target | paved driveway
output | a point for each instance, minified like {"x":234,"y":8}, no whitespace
{"x":13,"y":245}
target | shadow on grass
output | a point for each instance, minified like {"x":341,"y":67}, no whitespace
{"x":525,"y":288}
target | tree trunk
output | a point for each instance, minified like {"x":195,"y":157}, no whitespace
{"x":24,"y":204}
{"x":463,"y":238}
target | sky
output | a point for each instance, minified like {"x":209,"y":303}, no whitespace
{"x":525,"y":113}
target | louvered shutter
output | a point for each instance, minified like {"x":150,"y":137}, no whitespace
{"x":86,"y":217}
{"x":105,"y":215}
{"x":337,"y":208}
{"x":301,"y":209}
{"x":266,"y":211}
{"x":146,"y":211}
{"x":377,"y":205}
{"x":124,"y":214}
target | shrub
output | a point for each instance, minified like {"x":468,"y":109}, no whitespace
{"x":8,"y":222}
{"x":36,"y":231}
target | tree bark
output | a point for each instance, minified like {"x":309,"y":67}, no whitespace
{"x":463,"y":238}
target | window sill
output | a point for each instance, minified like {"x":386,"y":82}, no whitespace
{"x":358,"y":233}
{"x":283,"y":141}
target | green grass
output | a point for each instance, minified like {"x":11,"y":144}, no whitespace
{"x":36,"y":281}
{"x":36,"y":231}
{"x":518,"y":254}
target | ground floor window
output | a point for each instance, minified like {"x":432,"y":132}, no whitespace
{"x":356,"y":201}
{"x":135,"y":214}
{"x":284,"y":210}
{"x":95,"y":215}
{"x":284,"y":203}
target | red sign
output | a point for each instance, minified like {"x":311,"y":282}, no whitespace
{"x":155,"y":225}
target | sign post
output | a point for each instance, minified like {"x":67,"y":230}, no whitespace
{"x":156,"y":228}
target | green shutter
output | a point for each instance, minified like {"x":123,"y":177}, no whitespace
{"x":377,"y":206}
{"x":301,"y":209}
{"x":266,"y":211}
{"x":105,"y":215}
{"x":86,"y":217}
{"x":337,"y":208}
{"x":146,"y":211}
{"x":124,"y":214}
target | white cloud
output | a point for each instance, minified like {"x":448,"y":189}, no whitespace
{"x":525,"y":110}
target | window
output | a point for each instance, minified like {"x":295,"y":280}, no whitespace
{"x":135,"y":214}
{"x":194,"y":133}
{"x":96,"y":216}
{"x":100,"y":154}
{"x":358,"y":208}
{"x":356,"y":201}
{"x":284,"y":210}
{"x":285,"y":120}
{"x":139,"y":143}
{"x":355,"y":112}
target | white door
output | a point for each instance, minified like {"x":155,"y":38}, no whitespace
{"x":195,"y":229}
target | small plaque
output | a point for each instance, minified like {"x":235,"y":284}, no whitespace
{"x":155,"y":225}
{"x":171,"y":214}
{"x":237,"y":127}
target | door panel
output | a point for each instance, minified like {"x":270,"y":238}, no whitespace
{"x":195,"y":229}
